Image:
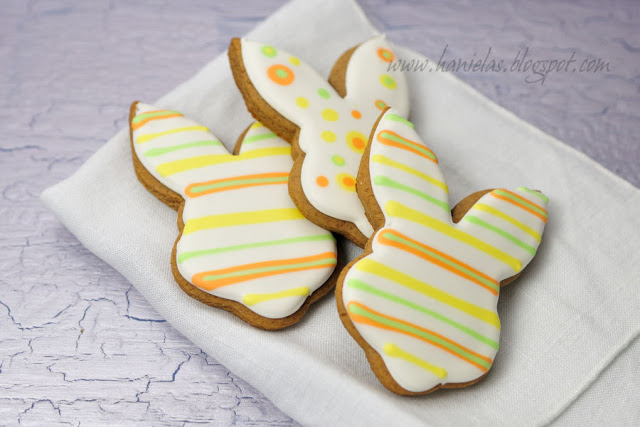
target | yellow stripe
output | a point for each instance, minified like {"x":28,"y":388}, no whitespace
{"x":148,"y":137}
{"x":241,"y":218}
{"x":395,"y":351}
{"x":368,"y":265}
{"x":493,"y":211}
{"x":396,"y":209}
{"x":252,"y":299}
{"x":256,"y":125}
{"x":378,"y":158}
{"x":169,"y":168}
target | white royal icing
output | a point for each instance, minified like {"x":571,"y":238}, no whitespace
{"x":333,"y":130}
{"x":248,"y":235}
{"x":425,"y":298}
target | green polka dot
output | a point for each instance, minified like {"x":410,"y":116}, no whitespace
{"x":302,"y":102}
{"x":269,"y":51}
{"x":388,"y":81}
{"x":338,"y":160}
{"x":323,"y":93}
{"x":281,"y":73}
{"x":328,"y":136}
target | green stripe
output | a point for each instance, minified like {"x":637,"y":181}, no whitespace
{"x":260,"y":137}
{"x":357,"y":284}
{"x":403,"y":141}
{"x":429,"y":337}
{"x":457,"y":266}
{"x":201,"y":188}
{"x":477,"y":221}
{"x":383,"y":160}
{"x":388,"y":182}
{"x":164,"y":150}
{"x":194,"y":254}
{"x":143,"y":116}
{"x":523,"y":201}
{"x":267,"y":269}
{"x":397,"y":118}
{"x":535,"y":193}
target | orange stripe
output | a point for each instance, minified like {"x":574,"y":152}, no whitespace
{"x":365,"y":320}
{"x":148,"y":119}
{"x":235,"y":187}
{"x":520,"y":205}
{"x":436,"y":261}
{"x":517,"y":196}
{"x":523,"y":198}
{"x":199,"y":281}
{"x":391,"y":143}
{"x":215,"y":190}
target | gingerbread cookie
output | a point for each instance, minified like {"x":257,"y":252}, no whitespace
{"x":422,"y":299}
{"x":243,"y":246}
{"x":328,"y":124}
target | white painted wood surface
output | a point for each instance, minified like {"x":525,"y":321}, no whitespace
{"x":78,"y":345}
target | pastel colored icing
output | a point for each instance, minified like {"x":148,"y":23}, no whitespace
{"x":243,"y":238}
{"x":425,"y":298}
{"x":333,"y":130}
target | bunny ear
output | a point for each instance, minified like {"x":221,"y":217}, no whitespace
{"x":289,"y":96}
{"x":258,"y":137}
{"x":403,"y":170}
{"x":512,"y":222}
{"x":290,"y":87}
{"x":499,"y":234}
{"x":171,"y":146}
{"x":372,"y":82}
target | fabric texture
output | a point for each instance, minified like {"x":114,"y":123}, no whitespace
{"x":572,"y":311}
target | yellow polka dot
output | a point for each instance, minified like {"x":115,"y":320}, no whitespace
{"x":346,"y":182}
{"x":256,"y":125}
{"x":357,"y":141}
{"x":302,"y":102}
{"x":329,"y":115}
{"x":294,"y":60}
{"x":387,"y":81}
{"x":328,"y":136}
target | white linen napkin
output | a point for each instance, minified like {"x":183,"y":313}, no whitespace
{"x":573,"y":310}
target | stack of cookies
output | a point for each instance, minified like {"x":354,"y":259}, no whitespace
{"x":339,"y":156}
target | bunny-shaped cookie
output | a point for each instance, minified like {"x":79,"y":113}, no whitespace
{"x":422,"y":299}
{"x":243,"y":245}
{"x":327,"y":124}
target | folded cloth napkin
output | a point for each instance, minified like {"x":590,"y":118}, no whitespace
{"x":574,"y":309}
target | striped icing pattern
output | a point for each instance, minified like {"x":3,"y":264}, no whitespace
{"x":243,"y":238}
{"x":333,"y":130}
{"x":425,"y":299}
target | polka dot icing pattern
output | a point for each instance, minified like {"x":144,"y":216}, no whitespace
{"x":243,"y":238}
{"x":425,"y":298}
{"x":333,"y":130}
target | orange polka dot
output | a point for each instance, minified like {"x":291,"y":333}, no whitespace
{"x":356,"y":141}
{"x":280,"y":74}
{"x":356,"y":114}
{"x":322,"y":181}
{"x":380,"y":104}
{"x":385,"y":54}
{"x":347,"y":182}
